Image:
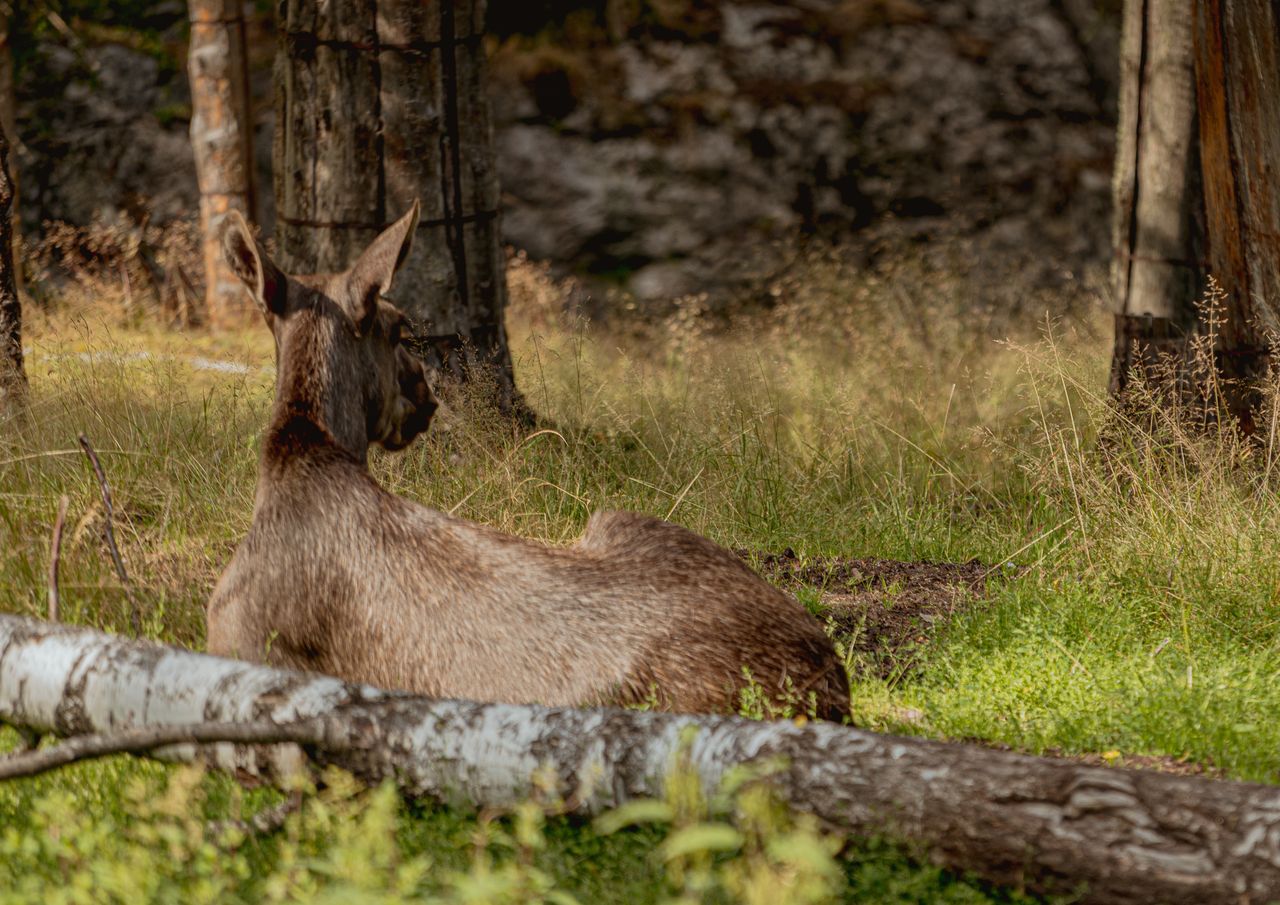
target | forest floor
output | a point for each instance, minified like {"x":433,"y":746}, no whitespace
{"x":990,"y":571}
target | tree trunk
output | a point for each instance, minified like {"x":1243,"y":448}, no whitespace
{"x":222,"y":140}
{"x":9,"y":126}
{"x":1157,"y":208}
{"x":1123,"y":836}
{"x":378,"y":104}
{"x":1195,"y":194}
{"x":1237,"y":69}
{"x":13,"y":376}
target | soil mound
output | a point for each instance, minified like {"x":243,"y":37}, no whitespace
{"x":888,"y":610}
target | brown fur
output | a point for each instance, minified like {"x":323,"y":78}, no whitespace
{"x":337,"y":575}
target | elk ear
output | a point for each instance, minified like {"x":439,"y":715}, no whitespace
{"x":252,"y":265}
{"x":372,"y":274}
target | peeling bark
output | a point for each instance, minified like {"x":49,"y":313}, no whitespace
{"x":1237,"y":67}
{"x":1118,"y":835}
{"x":1195,"y":192}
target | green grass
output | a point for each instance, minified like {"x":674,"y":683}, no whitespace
{"x":1142,"y":617}
{"x":128,"y":832}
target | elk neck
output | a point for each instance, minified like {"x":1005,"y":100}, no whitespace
{"x":319,"y":409}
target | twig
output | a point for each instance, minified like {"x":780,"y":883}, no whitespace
{"x":265,"y":821}
{"x":149,"y":738}
{"x":1005,"y":560}
{"x":683,"y":493}
{"x":128,"y":287}
{"x":28,"y":739}
{"x":55,"y":551}
{"x":135,"y":615}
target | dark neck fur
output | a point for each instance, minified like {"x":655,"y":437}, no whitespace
{"x":319,"y":409}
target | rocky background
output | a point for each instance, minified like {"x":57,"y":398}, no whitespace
{"x":670,"y":147}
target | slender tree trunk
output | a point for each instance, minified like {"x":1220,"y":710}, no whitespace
{"x":9,"y":125}
{"x":1157,"y":206}
{"x":222,"y":139}
{"x":13,"y":376}
{"x":378,"y":104}
{"x":1118,"y":835}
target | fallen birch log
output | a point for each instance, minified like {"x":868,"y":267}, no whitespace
{"x":1119,"y":835}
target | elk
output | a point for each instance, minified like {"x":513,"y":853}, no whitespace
{"x":339,"y":576}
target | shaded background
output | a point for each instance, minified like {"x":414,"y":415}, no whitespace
{"x":668,"y":147}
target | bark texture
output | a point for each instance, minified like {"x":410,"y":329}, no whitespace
{"x":1157,"y":196}
{"x":379,"y":104}
{"x":222,"y":141}
{"x":13,"y":376}
{"x":9,"y":126}
{"x":1120,"y":836}
{"x":1195,"y":191}
{"x":1237,"y":67}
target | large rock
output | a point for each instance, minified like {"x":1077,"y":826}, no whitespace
{"x":676,"y":147}
{"x":661,"y":156}
{"x":94,"y":147}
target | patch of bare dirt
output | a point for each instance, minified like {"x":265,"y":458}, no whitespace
{"x":1159,"y":763}
{"x":887,"y":609}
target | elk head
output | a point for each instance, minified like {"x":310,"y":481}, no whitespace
{"x":340,"y":346}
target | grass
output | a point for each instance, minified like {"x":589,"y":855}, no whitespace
{"x":1141,"y":619}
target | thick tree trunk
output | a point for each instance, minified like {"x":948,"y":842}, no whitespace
{"x":1196,"y":195}
{"x":1237,"y":67}
{"x":1157,"y":209}
{"x":1121,"y":836}
{"x":13,"y":376}
{"x":378,"y":104}
{"x":222,"y":139}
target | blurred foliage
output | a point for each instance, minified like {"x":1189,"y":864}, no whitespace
{"x":147,"y":25}
{"x":127,"y":831}
{"x":589,"y":21}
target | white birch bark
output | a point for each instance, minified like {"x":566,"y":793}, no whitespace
{"x":1124,"y":836}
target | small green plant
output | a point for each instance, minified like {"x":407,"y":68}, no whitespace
{"x":756,"y":703}
{"x":811,"y":599}
{"x":739,"y":846}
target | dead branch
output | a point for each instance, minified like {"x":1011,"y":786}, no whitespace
{"x":146,"y":739}
{"x":55,"y":553}
{"x":135,"y":614}
{"x":263,"y":823}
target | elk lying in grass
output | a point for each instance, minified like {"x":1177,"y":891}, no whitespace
{"x":339,"y":576}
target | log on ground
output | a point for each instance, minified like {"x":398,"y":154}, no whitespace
{"x":1114,"y":835}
